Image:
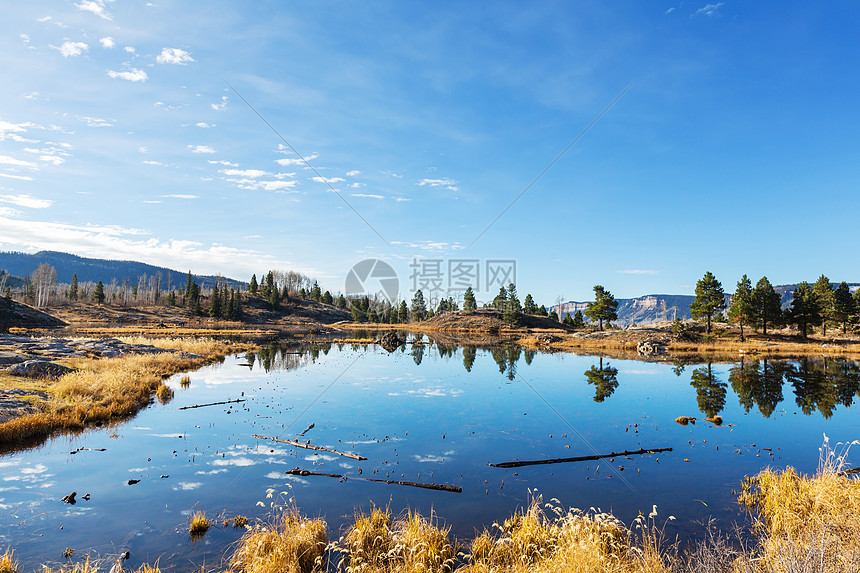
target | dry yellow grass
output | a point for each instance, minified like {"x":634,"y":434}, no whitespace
{"x":164,"y":393}
{"x":805,"y":523}
{"x":103,"y":390}
{"x":293,"y":544}
{"x":199,"y":524}
{"x":7,"y":562}
{"x":88,"y":566}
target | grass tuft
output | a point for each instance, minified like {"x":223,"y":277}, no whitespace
{"x":200,"y":524}
{"x":7,"y":562}
{"x":164,"y":393}
{"x":293,"y":544}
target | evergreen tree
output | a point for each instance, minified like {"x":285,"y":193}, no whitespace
{"x":274,"y":299}
{"x":8,"y":294}
{"x":501,"y":300}
{"x":542,"y":311}
{"x":341,"y":301}
{"x":198,"y":311}
{"x":430,"y":313}
{"x":603,"y":308}
{"x":567,"y":320}
{"x":392,"y":318}
{"x":513,"y":310}
{"x":303,"y":294}
{"x":824,"y":294}
{"x":469,"y":303}
{"x":171,"y":298}
{"x":73,"y":287}
{"x":741,"y":308}
{"x":270,"y":285}
{"x":373,"y":316}
{"x":316,"y":293}
{"x":419,"y":307}
{"x":99,"y":293}
{"x":215,"y":303}
{"x":709,"y":299}
{"x":285,"y":293}
{"x":253,"y":287}
{"x":327,"y":298}
{"x":843,"y":305}
{"x":403,"y":313}
{"x":358,"y":314}
{"x":188,"y":283}
{"x":805,"y":308}
{"x":578,"y":320}
{"x":529,"y":306}
{"x":855,"y":313}
{"x":767,"y":307}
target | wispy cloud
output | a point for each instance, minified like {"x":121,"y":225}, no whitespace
{"x":367,"y":196}
{"x":201,"y":149}
{"x":437,"y":246}
{"x":709,"y":9}
{"x":72,"y":49}
{"x":221,"y":106}
{"x":130,"y":49}
{"x":181,"y":196}
{"x":107,"y":42}
{"x":174,"y":56}
{"x":52,"y":159}
{"x":639,"y":272}
{"x":252,"y":173}
{"x":222,"y":162}
{"x":97,"y":8}
{"x":444,"y":182}
{"x":26,"y":201}
{"x":328,"y":179}
{"x":96,"y":121}
{"x":150,"y":162}
{"x":353,"y":173}
{"x":204,"y":125}
{"x":18,"y":177}
{"x":291,"y":161}
{"x":132,"y":75}
{"x":6,"y":160}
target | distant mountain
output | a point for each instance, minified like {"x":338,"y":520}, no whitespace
{"x":662,"y":307}
{"x":94,"y":270}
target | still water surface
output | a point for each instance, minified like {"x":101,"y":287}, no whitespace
{"x":430,"y":414}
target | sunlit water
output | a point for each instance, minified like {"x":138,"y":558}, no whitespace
{"x":420,"y":414}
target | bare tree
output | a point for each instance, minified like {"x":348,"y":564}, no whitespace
{"x":44,"y":279}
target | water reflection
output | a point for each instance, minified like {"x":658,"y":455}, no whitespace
{"x":759,"y":384}
{"x":604,"y":379}
{"x":710,"y":391}
{"x":507,"y":357}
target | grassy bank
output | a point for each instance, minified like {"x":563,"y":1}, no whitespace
{"x":105,"y":390}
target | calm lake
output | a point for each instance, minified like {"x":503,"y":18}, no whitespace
{"x":424,"y":413}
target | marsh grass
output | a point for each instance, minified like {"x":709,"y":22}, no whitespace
{"x":199,"y":524}
{"x":805,"y":523}
{"x":104,"y":390}
{"x":291,"y":544}
{"x":164,"y":393}
{"x":7,"y":562}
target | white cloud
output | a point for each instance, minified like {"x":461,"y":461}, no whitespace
{"x":328,"y":179}
{"x":431,"y":245}
{"x":252,"y":173}
{"x":639,"y":272}
{"x":181,"y":196}
{"x":24,"y":38}
{"x":222,"y":162}
{"x":188,"y":485}
{"x":6,"y":160}
{"x":26,"y":201}
{"x":709,"y":9}
{"x":6,"y":127}
{"x":96,"y":8}
{"x":276,"y":186}
{"x":43,"y":19}
{"x":366,"y":196}
{"x":353,"y":173}
{"x":148,"y":162}
{"x":72,"y":49}
{"x":152,"y":202}
{"x":392,"y":174}
{"x":133,"y":75}
{"x":9,"y":212}
{"x":201,"y":149}
{"x":130,"y":49}
{"x":221,"y":106}
{"x":53,"y":159}
{"x":96,"y":121}
{"x":401,"y":199}
{"x":107,"y":42}
{"x":444,"y":182}
{"x":204,"y":125}
{"x":174,"y":56}
{"x":19,"y":177}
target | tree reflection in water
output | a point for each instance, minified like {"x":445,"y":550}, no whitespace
{"x":710,"y":392}
{"x":604,"y":379}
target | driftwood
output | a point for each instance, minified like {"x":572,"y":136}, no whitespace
{"x":211,"y":404}
{"x":638,"y":452}
{"x":307,"y":446}
{"x":308,"y":429}
{"x":433,"y":486}
{"x":848,"y":472}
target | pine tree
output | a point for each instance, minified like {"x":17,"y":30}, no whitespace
{"x":285,"y":293}
{"x":188,"y":284}
{"x":843,"y":305}
{"x":215,"y":303}
{"x":741,"y":308}
{"x":73,"y":287}
{"x":709,"y":298}
{"x":341,"y":301}
{"x":766,"y":304}
{"x":603,"y":308}
{"x":274,"y":299}
{"x":529,"y":306}
{"x":403,"y":313}
{"x":513,"y":311}
{"x":567,"y":320}
{"x":327,"y":298}
{"x":578,"y":320}
{"x":469,"y":303}
{"x":171,"y":298}
{"x":542,"y":311}
{"x":419,"y":307}
{"x":270,"y":284}
{"x":358,"y":315}
{"x":805,"y":308}
{"x":501,"y":300}
{"x":824,"y":294}
{"x":253,"y":287}
{"x":316,"y":292}
{"x":99,"y":293}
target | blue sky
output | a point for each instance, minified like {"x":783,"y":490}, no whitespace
{"x":734,"y":150}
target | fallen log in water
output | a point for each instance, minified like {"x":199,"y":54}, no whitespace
{"x":433,"y":486}
{"x":638,"y":452}
{"x":307,"y":446}
{"x":211,"y":404}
